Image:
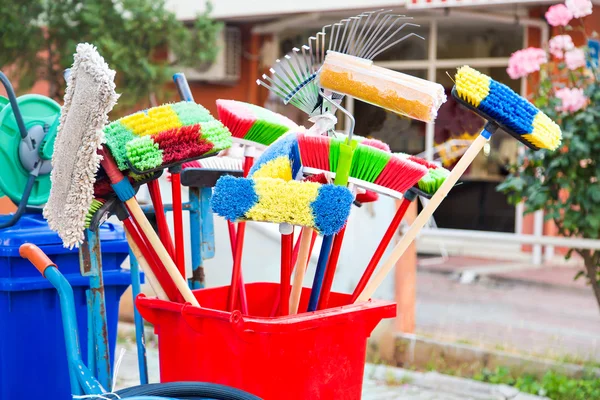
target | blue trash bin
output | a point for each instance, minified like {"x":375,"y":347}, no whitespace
{"x":33,"y":360}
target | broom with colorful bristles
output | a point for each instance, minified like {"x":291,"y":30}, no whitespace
{"x":270,"y":194}
{"x":426,"y":187}
{"x":503,"y":109}
{"x":251,"y":126}
{"x":165,"y":137}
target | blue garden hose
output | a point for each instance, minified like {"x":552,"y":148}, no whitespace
{"x":187,"y":391}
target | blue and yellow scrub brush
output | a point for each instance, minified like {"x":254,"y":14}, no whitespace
{"x":503,"y":109}
{"x":271,"y":194}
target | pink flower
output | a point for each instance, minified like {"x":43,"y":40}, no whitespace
{"x":526,"y":61}
{"x":572,"y":99}
{"x":579,"y":8}
{"x":559,"y":44}
{"x":559,"y":15}
{"x":575,"y":58}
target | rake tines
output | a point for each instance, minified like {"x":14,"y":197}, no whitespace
{"x":366,"y":36}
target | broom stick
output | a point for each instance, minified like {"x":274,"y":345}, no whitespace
{"x":145,"y":267}
{"x":423,"y":217}
{"x":127,"y":194}
{"x":301,"y":262}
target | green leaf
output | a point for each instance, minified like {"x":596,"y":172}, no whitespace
{"x":578,"y":275}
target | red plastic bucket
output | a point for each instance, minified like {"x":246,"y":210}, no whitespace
{"x":317,"y":355}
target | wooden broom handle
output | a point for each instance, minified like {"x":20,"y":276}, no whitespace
{"x":163,"y":255}
{"x":143,"y":263}
{"x":300,"y":266}
{"x":422,"y":218}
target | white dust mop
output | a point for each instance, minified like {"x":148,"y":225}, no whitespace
{"x":75,"y":161}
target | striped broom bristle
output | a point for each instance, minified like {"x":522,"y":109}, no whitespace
{"x":253,"y":123}
{"x":378,"y":144}
{"x":400,"y":174}
{"x":237,"y":118}
{"x":191,"y":164}
{"x":315,"y":151}
{"x":182,"y":143}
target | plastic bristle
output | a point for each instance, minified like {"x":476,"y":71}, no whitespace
{"x":102,"y":187}
{"x":183,"y":143}
{"x":368,"y":163}
{"x":190,"y":113}
{"x":314,"y":151}
{"x":191,"y":164}
{"x":501,"y":105}
{"x":222,"y":163}
{"x":400,"y":174}
{"x":318,"y":178}
{"x":217,"y":134}
{"x":97,"y":203}
{"x":423,"y":162}
{"x":378,"y":144}
{"x":117,"y":135}
{"x":235,"y":116}
{"x":143,"y":153}
{"x":432,"y":181}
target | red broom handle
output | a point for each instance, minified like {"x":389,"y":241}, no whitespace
{"x":287,"y":245}
{"x":161,"y":219}
{"x":336,"y":248}
{"x":383,"y":244}
{"x":237,"y":267}
{"x":294,"y":258}
{"x":242,"y":291}
{"x":239,"y":245}
{"x":178,"y":223}
{"x":161,"y":275}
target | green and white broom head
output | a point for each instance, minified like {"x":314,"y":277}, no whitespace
{"x":433,"y":179}
{"x":164,"y":136}
{"x":270,"y":194}
{"x":253,"y":125}
{"x":89,"y":97}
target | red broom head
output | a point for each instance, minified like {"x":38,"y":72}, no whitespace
{"x":319,"y":178}
{"x":378,"y":144}
{"x":191,"y":164}
{"x":314,"y":151}
{"x":182,"y":143}
{"x":236,"y":117}
{"x":423,"y":162}
{"x":368,"y":197}
{"x":102,"y":187}
{"x":400,"y":174}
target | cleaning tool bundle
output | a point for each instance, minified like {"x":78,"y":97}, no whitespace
{"x":252,"y":126}
{"x":427,"y":186}
{"x":271,"y":194}
{"x":90,"y":96}
{"x":366,"y":36}
{"x":401,"y":93}
{"x":502,"y":108}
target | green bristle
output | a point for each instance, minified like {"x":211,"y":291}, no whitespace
{"x":334,"y":154}
{"x":190,"y":113}
{"x":265,"y":132}
{"x":216,"y":133}
{"x":94,"y":207}
{"x":143,"y":153}
{"x":117,"y":136}
{"x":432,"y":181}
{"x":368,"y":162}
{"x":140,"y":177}
{"x":267,"y":128}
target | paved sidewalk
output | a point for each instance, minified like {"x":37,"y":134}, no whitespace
{"x":381,"y":382}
